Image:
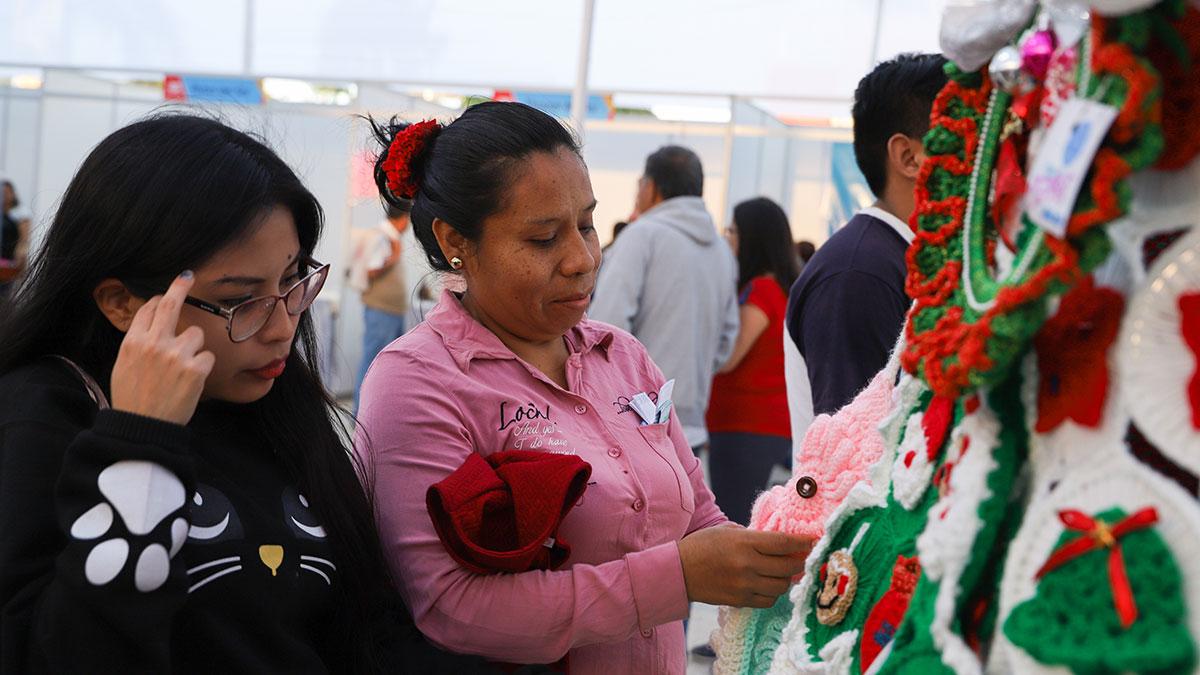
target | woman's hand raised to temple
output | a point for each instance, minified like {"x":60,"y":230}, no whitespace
{"x":738,"y":567}
{"x":160,"y":374}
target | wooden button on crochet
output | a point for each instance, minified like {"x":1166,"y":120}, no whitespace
{"x":806,"y":487}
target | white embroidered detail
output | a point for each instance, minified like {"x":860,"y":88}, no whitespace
{"x":953,"y":525}
{"x":912,"y":469}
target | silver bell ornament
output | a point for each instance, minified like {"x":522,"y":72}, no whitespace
{"x":1005,"y":71}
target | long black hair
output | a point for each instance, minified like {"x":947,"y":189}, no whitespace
{"x":163,"y":195}
{"x":764,"y":243}
{"x":465,"y":169}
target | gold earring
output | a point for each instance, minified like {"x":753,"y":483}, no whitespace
{"x":456,"y":263}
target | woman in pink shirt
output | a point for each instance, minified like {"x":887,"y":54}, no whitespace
{"x":503,"y":198}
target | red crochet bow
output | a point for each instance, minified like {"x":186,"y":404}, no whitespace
{"x":1103,"y":535}
{"x":402,"y":181}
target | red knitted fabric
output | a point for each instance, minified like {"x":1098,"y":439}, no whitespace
{"x":1189,"y":309}
{"x":1181,"y":92}
{"x":498,"y":514}
{"x":936,"y":424}
{"x":886,"y":615}
{"x":1072,"y":353}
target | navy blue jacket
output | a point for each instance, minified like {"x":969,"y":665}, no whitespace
{"x":847,"y":309}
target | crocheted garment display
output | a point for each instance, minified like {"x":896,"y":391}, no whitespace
{"x":1075,"y":618}
{"x":1030,"y":372}
{"x":969,"y":324}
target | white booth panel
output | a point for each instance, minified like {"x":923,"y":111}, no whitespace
{"x":70,"y":128}
{"x":19,"y":145}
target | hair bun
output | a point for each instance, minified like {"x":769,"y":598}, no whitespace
{"x":402,"y":180}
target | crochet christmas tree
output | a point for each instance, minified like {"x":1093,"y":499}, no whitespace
{"x":1115,"y":606}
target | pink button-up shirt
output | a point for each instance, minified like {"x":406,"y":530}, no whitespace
{"x":450,"y":388}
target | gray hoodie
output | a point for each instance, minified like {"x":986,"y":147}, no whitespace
{"x":670,"y":280}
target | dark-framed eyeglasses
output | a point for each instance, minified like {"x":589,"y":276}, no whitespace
{"x":245,"y":319}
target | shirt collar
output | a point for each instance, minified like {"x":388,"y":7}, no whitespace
{"x":892,"y":221}
{"x":467,"y":340}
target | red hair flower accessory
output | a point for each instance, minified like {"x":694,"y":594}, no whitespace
{"x":401,"y":179}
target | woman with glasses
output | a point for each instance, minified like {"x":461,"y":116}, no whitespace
{"x":176,"y":493}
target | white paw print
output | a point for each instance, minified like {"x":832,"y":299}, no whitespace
{"x":143,"y":494}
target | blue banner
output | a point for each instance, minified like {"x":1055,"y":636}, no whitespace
{"x":222,"y":90}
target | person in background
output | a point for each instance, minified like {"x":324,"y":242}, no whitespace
{"x":805,"y":250}
{"x":14,"y":240}
{"x":379,"y":272}
{"x":671,"y":282}
{"x":502,"y":198}
{"x":177,"y":494}
{"x":846,"y":310}
{"x":748,"y":424}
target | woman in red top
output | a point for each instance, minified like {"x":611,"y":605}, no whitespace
{"x":748,"y":423}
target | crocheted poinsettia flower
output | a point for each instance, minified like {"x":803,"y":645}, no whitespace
{"x":1072,"y":355}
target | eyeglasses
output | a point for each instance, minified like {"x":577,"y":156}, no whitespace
{"x":245,"y":319}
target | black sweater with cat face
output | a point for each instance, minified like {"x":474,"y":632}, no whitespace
{"x":132,"y":545}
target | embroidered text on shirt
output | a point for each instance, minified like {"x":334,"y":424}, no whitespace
{"x":522,"y":413}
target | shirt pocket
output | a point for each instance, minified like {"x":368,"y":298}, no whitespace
{"x":659,"y":440}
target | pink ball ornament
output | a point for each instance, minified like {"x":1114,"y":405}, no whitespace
{"x":1036,"y":52}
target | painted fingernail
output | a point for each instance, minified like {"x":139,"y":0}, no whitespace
{"x":186,"y":275}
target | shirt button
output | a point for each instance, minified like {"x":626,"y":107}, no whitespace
{"x":638,"y":505}
{"x":647,"y":633}
{"x":614,"y":452}
{"x":581,"y":408}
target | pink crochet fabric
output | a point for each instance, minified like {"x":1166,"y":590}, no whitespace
{"x":836,"y":453}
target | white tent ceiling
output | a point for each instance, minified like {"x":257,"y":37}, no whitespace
{"x":801,"y":50}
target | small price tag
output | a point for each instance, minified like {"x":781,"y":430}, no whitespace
{"x":1063,"y":162}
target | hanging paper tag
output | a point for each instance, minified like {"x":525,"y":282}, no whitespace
{"x":1063,"y":162}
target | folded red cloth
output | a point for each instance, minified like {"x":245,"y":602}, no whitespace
{"x":501,"y":513}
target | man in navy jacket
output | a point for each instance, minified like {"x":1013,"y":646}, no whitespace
{"x":847,"y":308}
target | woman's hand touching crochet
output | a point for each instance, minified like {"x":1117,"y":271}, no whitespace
{"x":739,"y":567}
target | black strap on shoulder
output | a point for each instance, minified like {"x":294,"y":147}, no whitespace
{"x":93,"y":387}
